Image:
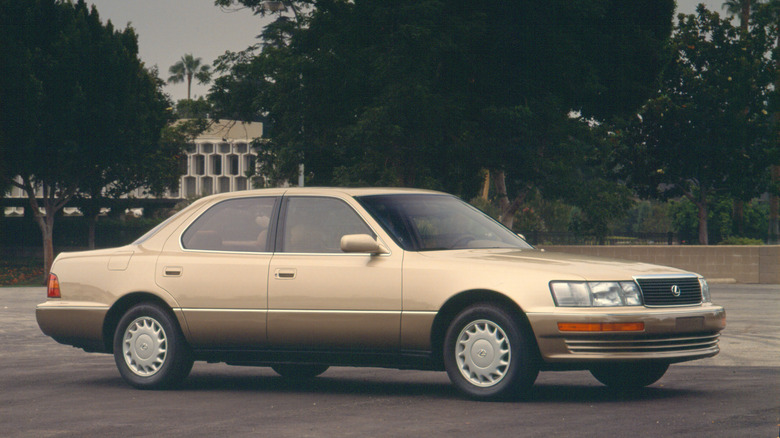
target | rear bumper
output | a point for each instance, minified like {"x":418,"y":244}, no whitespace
{"x":670,"y":334}
{"x":76,"y":324}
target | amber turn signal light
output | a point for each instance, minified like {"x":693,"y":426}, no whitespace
{"x":601,"y":327}
{"x":53,"y":287}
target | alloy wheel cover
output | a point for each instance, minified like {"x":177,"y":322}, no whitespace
{"x":483,"y":353}
{"x":145,"y":346}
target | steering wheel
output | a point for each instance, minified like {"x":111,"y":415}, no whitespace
{"x":462,"y":241}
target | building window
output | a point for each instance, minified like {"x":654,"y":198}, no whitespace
{"x":207,"y":186}
{"x":200,"y":164}
{"x":216,"y":164}
{"x":232,"y":161}
{"x":224,"y":184}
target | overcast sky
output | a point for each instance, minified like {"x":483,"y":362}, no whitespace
{"x":168,"y":29}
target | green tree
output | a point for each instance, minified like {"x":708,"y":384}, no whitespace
{"x":187,"y":68}
{"x":80,"y":113}
{"x":767,"y":16}
{"x":198,"y":108}
{"x":428,"y":93}
{"x":743,"y":9}
{"x":707,"y":132}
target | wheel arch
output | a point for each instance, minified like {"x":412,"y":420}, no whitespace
{"x":457,"y":303}
{"x":121,"y":306}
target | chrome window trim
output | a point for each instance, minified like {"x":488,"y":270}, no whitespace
{"x":219,"y":251}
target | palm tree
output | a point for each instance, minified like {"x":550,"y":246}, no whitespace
{"x":188,"y":67}
{"x":741,"y":8}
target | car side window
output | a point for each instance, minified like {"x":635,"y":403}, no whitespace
{"x":234,"y":225}
{"x":316,"y":225}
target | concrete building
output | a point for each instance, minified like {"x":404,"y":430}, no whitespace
{"x":220,"y":160}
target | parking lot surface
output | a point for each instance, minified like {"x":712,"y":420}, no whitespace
{"x":48,"y":389}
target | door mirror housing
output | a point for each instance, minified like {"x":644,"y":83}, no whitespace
{"x":362,"y":243}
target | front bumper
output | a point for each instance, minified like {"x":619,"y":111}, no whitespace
{"x":670,"y":334}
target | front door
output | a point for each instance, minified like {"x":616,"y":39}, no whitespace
{"x":321,"y":297}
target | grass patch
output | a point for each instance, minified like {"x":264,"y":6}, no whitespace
{"x":23,"y":272}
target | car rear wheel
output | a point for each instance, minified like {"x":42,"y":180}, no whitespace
{"x":299,"y":371}
{"x":486,"y":354}
{"x":149,"y":348}
{"x":629,"y":375}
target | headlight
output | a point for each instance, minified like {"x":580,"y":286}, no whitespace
{"x":705,"y":291}
{"x":596,"y":293}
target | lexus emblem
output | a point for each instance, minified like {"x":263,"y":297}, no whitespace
{"x":676,"y":290}
{"x":482,"y":353}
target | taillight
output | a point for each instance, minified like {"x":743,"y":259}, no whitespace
{"x":53,"y":287}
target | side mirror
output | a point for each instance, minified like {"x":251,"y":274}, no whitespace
{"x":362,"y":243}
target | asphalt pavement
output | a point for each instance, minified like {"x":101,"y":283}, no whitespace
{"x":48,"y":389}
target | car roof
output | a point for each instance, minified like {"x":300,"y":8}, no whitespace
{"x":350,"y":191}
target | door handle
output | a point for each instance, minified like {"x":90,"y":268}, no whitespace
{"x":172,"y":271}
{"x":285,"y":274}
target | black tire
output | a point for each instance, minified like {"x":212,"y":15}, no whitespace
{"x":487,"y":355}
{"x":629,"y":375}
{"x":295,"y":371}
{"x":149,"y":348}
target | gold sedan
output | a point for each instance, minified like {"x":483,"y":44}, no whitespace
{"x":300,"y":279}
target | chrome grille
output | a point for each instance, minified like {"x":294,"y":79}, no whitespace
{"x":660,"y":291}
{"x":660,"y":344}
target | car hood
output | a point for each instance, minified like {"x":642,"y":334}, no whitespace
{"x":566,"y":266}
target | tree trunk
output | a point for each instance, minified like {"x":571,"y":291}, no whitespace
{"x":703,"y":234}
{"x":508,"y":209}
{"x":486,"y":186}
{"x":774,"y":209}
{"x":48,"y":245}
{"x":739,"y":217}
{"x":91,"y":225}
{"x":45,"y":222}
{"x":91,"y":210}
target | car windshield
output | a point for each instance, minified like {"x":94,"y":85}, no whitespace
{"x":438,"y":222}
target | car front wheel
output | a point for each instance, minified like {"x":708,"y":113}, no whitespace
{"x":149,"y":348}
{"x":487,"y":355}
{"x":629,"y":375}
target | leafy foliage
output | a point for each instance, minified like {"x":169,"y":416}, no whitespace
{"x":79,"y":111}
{"x":428,"y":92}
{"x":708,"y":131}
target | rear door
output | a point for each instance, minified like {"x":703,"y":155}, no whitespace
{"x":217,"y":269}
